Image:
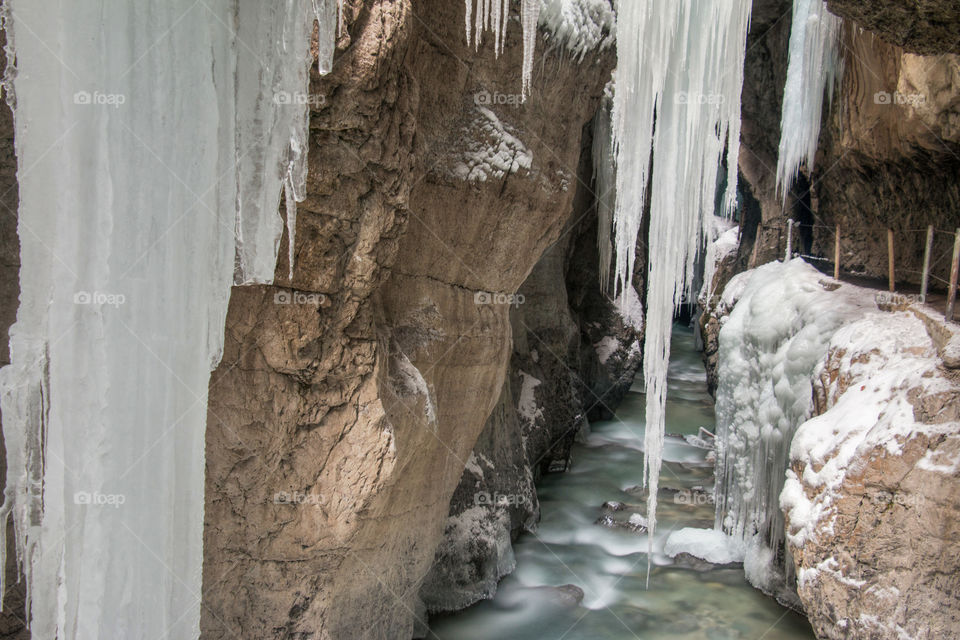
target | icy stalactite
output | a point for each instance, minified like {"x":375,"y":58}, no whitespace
{"x":147,"y":167}
{"x":272,"y":108}
{"x":813,"y":68}
{"x":530,"y":16}
{"x":329,"y":15}
{"x":493,"y":15}
{"x":579,"y":25}
{"x":677,"y":104}
{"x":604,"y":173}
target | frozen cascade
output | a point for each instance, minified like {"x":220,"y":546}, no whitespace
{"x":770,"y":345}
{"x":493,"y":15}
{"x":151,"y":159}
{"x":813,"y":68}
{"x":681,"y":67}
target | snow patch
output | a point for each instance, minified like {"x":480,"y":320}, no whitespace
{"x":492,"y":151}
{"x":579,"y":25}
{"x":707,"y":544}
{"x":630,"y":308}
{"x":527,"y":405}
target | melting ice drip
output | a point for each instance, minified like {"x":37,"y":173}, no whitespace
{"x":677,"y":103}
{"x":814,"y":65}
{"x":493,"y":15}
{"x":153,"y":140}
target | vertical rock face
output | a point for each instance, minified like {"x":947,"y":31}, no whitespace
{"x":927,"y":27}
{"x":872,"y":516}
{"x":349,"y":399}
{"x":574,"y":357}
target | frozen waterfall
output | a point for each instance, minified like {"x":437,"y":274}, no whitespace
{"x":153,"y":140}
{"x":676,"y":106}
{"x":813,"y":67}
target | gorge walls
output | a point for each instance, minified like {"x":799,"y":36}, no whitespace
{"x":350,"y":398}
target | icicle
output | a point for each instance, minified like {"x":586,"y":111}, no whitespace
{"x":329,"y":15}
{"x":681,"y":68}
{"x":530,"y":15}
{"x":814,"y":66}
{"x":494,"y":15}
{"x":604,"y":173}
{"x":130,"y":226}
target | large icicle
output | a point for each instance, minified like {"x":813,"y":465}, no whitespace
{"x":141,"y":128}
{"x":677,"y":102}
{"x":813,"y":66}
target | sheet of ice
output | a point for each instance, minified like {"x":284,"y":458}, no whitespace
{"x":814,"y":66}
{"x":527,"y":404}
{"x":605,"y":186}
{"x":630,"y":308}
{"x":151,"y":148}
{"x":770,"y":346}
{"x":676,"y":107}
{"x":707,"y":544}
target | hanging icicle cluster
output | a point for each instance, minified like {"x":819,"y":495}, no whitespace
{"x":150,"y":173}
{"x":677,"y":106}
{"x":813,"y":69}
{"x":493,"y":15}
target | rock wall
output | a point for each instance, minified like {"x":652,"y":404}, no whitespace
{"x":349,"y":399}
{"x":574,"y":357}
{"x":872,"y":513}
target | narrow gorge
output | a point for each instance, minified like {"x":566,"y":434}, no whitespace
{"x":527,"y":319}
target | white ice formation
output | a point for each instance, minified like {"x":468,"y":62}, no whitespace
{"x":153,"y":141}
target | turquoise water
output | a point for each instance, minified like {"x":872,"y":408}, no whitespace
{"x":685,"y":600}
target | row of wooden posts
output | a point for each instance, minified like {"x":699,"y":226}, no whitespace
{"x":925,"y":282}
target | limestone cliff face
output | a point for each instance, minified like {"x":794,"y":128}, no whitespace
{"x":883,"y":559}
{"x":349,"y":399}
{"x":574,"y":357}
{"x":928,"y":27}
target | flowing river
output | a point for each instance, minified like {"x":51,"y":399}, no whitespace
{"x":686,"y":599}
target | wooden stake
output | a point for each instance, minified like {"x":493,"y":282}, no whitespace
{"x":890,"y":260}
{"x":789,"y":240}
{"x":926,"y":265}
{"x":954,"y":273}
{"x":836,"y":255}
